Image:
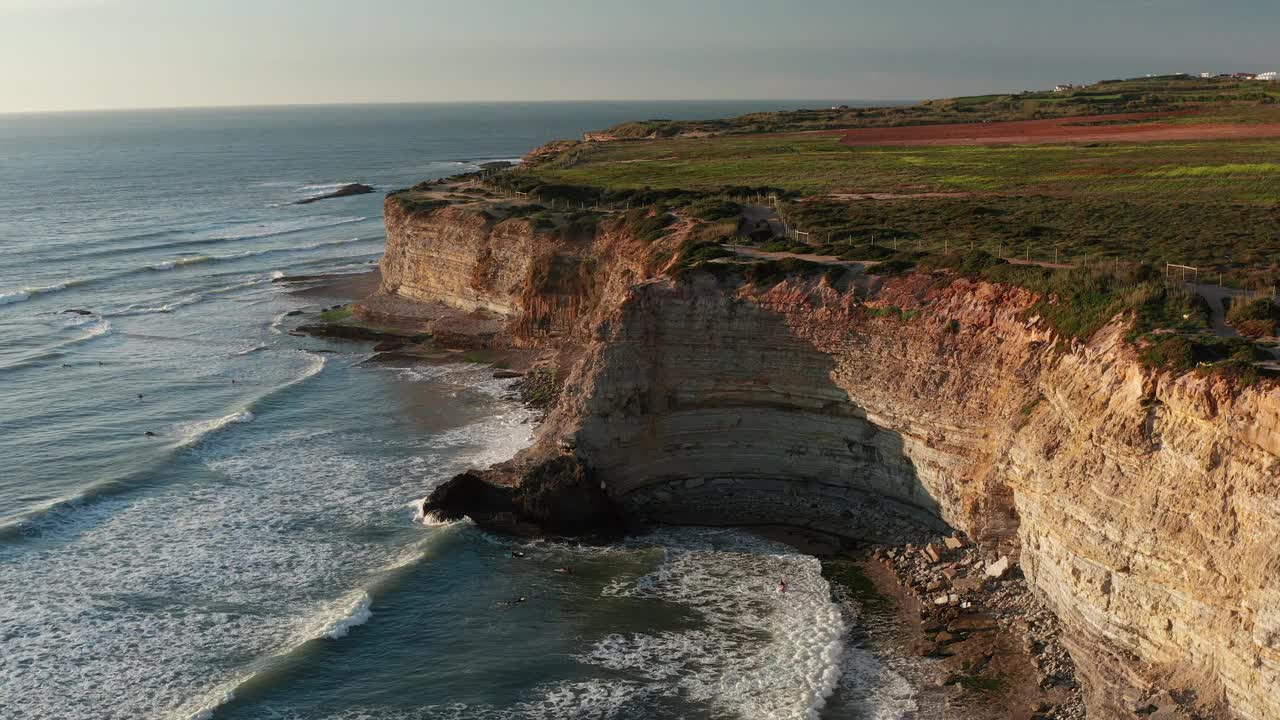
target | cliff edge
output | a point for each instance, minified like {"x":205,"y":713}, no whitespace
{"x":1142,"y":505}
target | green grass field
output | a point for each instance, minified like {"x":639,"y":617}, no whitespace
{"x":1224,"y":97}
{"x":1212,"y":204}
{"x":1244,"y":170}
{"x":1112,"y":213}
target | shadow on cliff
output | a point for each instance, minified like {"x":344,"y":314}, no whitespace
{"x":760,"y":433}
{"x":709,"y":410}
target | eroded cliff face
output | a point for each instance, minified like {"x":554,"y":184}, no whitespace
{"x":541,"y":282}
{"x":1145,"y":509}
{"x":463,"y":258}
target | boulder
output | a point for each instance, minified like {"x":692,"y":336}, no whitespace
{"x":999,"y":568}
{"x":932,"y":553}
{"x":554,"y":497}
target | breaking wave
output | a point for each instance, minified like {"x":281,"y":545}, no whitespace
{"x":197,"y":259}
{"x":729,"y":578}
{"x":8,"y":297}
{"x":193,"y":434}
{"x":218,"y":234}
{"x":100,"y":328}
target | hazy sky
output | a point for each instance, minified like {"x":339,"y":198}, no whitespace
{"x":75,"y":54}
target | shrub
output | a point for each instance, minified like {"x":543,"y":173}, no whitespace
{"x":768,"y":271}
{"x":1256,"y":328}
{"x":977,"y":261}
{"x":1254,"y":319}
{"x":648,"y":227}
{"x":567,"y":193}
{"x":715,"y":209}
{"x":1170,"y":352}
{"x":697,"y":252}
{"x":421,"y":207}
{"x":894,"y":266}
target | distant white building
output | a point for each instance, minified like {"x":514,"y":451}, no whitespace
{"x":1206,"y":75}
{"x":1269,"y":76}
{"x":1064,"y":88}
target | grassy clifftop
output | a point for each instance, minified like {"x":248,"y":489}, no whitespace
{"x":1211,"y":202}
{"x":1085,"y":215}
{"x":1226,"y":97}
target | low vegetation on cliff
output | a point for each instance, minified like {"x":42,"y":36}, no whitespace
{"x":1226,"y":96}
{"x":1207,"y":204}
{"x":1092,"y":227}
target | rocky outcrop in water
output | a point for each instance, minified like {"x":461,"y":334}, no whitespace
{"x":344,"y":191}
{"x":558,"y":496}
{"x":1141,"y":507}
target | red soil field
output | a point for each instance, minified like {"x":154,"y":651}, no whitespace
{"x":1070,"y":129}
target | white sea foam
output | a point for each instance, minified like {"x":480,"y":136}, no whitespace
{"x":193,"y":433}
{"x":277,"y":322}
{"x":323,"y":187}
{"x":594,"y":699}
{"x":199,"y":259}
{"x":8,"y":297}
{"x":216,"y":234}
{"x":433,"y":520}
{"x":730,"y":579}
{"x":165,"y":308}
{"x":100,"y":328}
{"x":756,"y":654}
{"x":190,"y":260}
{"x":188,"y":300}
{"x":357,"y":615}
{"x":144,"y":594}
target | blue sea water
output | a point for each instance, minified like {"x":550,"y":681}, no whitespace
{"x":258,"y":555}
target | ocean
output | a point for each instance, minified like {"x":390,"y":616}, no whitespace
{"x":203,"y":516}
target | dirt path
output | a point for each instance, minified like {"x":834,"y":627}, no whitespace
{"x":1214,"y":295}
{"x":750,"y":252}
{"x":755,"y":214}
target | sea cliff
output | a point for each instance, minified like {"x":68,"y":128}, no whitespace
{"x":1142,"y":506}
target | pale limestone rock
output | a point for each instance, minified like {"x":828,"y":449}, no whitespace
{"x":1142,"y":508}
{"x":999,"y":568}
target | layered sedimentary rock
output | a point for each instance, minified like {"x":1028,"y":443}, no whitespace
{"x":1145,"y":508}
{"x":462,"y":258}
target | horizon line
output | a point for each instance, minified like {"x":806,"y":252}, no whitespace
{"x":385,"y":103}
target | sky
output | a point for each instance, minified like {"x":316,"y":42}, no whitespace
{"x":97,"y":54}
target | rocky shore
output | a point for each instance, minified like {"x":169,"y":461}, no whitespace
{"x":1128,"y":505}
{"x":997,"y":646}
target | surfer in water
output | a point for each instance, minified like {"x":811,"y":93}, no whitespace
{"x":782,"y":586}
